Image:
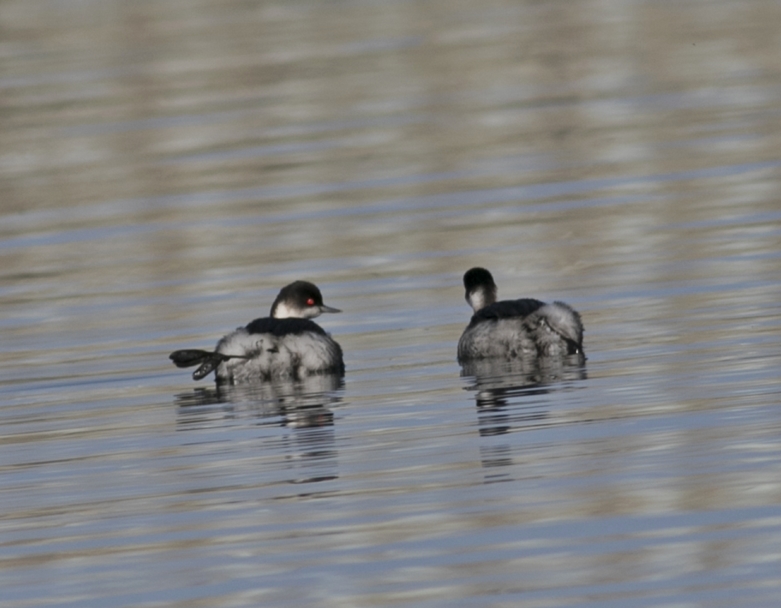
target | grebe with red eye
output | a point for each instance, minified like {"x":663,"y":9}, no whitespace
{"x":285,"y":344}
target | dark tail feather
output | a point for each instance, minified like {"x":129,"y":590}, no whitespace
{"x":208,"y":366}
{"x":208,"y":360}
{"x":190,"y":357}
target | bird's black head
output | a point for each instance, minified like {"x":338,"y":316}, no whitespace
{"x":300,"y":300}
{"x":480,"y":288}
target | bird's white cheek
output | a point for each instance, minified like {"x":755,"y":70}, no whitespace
{"x":476,"y":300}
{"x":282,"y":311}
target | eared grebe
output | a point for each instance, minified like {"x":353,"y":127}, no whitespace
{"x":285,"y":345}
{"x":515,"y":328}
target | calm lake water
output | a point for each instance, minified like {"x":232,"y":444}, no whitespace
{"x":166,"y":167}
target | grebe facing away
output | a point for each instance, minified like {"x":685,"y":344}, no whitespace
{"x":515,"y":328}
{"x":285,"y":345}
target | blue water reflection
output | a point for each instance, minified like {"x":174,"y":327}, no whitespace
{"x":167,"y":165}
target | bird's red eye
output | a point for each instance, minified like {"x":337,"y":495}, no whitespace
{"x":310,"y":302}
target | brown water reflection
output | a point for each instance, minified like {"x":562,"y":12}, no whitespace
{"x":166,"y":166}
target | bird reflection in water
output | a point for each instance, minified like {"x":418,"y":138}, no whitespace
{"x":510,"y":396}
{"x":291,"y":403}
{"x":301,"y":406}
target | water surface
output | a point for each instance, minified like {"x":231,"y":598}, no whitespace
{"x":167,"y":167}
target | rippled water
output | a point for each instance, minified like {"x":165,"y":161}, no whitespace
{"x":166,"y":167}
